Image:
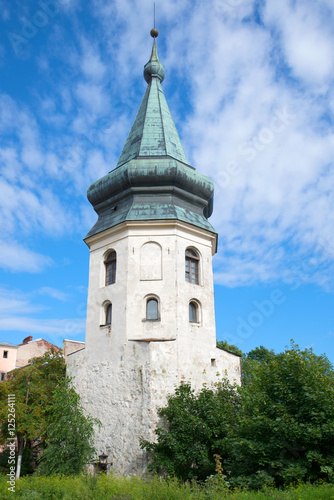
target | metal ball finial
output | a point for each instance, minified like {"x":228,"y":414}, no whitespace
{"x":154,"y":33}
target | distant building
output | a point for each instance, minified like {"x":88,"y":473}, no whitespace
{"x":8,"y":354}
{"x":70,"y":346}
{"x":17,"y":356}
{"x":32,"y":349}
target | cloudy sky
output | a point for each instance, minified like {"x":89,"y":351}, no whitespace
{"x":250,"y":87}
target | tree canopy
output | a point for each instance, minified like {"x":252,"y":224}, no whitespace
{"x":277,"y":428}
{"x":197,"y":429}
{"x":46,"y":405}
{"x":286,"y":423}
{"x":69,"y":438}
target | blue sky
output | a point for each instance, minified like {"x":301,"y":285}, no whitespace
{"x":250,"y":88}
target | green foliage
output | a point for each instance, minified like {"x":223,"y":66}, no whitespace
{"x":261,"y":354}
{"x":223,"y":344}
{"x":134,"y":488}
{"x":68,"y":442}
{"x":278,"y":429}
{"x":196,"y":427}
{"x":47,"y":410}
{"x":32,"y":386}
{"x":253,"y":359}
{"x":286,"y":425}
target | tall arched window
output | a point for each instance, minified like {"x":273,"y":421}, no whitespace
{"x":193,"y":312}
{"x":108,"y":314}
{"x":110,"y":266}
{"x":192,"y":266}
{"x":152,"y":309}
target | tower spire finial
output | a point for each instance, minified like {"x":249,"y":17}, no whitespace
{"x":154,"y":31}
{"x":154,"y":67}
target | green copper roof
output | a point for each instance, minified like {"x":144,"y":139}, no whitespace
{"x":152,"y":179}
{"x":153,"y":132}
{"x":147,"y":189}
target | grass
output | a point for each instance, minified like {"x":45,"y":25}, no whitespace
{"x":135,"y":488}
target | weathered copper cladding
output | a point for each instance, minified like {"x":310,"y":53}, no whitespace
{"x":153,"y":179}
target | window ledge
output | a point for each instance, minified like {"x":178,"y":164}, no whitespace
{"x":151,"y":320}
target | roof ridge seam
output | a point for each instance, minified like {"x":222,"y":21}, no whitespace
{"x":161,"y":116}
{"x":148,"y":90}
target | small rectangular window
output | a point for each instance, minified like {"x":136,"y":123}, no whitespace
{"x":213,"y":362}
{"x":3,"y":376}
{"x":5,"y":354}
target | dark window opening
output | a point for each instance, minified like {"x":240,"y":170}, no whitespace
{"x":213,"y":362}
{"x":110,"y":265}
{"x":108,"y":314}
{"x":192,"y":264}
{"x":3,"y":376}
{"x":193,"y":312}
{"x":5,"y":354}
{"x":152,"y":309}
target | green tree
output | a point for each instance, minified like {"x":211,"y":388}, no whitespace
{"x":196,"y":427}
{"x":69,"y":438}
{"x":47,"y":412}
{"x":253,"y":359}
{"x":261,"y":354}
{"x":286,"y":426}
{"x":223,"y":344}
{"x":32,"y":386}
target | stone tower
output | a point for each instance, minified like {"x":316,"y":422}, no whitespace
{"x":150,"y":311}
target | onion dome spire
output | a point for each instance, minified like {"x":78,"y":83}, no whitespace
{"x":154,"y":67}
{"x":153,"y":179}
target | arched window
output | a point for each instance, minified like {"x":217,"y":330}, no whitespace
{"x":110,"y":265}
{"x":193,"y":312}
{"x":192,"y":265}
{"x":152,"y":309}
{"x":108,"y":314}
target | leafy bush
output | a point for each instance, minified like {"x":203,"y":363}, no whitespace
{"x":197,"y":427}
{"x":286,"y":424}
{"x":278,"y":429}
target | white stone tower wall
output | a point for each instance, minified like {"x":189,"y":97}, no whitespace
{"x":127,"y":369}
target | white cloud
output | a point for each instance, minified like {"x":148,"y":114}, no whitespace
{"x":91,"y":64}
{"x":16,"y":258}
{"x":307,"y":38}
{"x":16,"y":302}
{"x":21,"y":209}
{"x":54,"y":328}
{"x":93,"y":97}
{"x":53,"y":293}
{"x":273,"y":199}
{"x":10,"y":165}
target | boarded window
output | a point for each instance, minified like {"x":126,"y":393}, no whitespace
{"x":150,"y":262}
